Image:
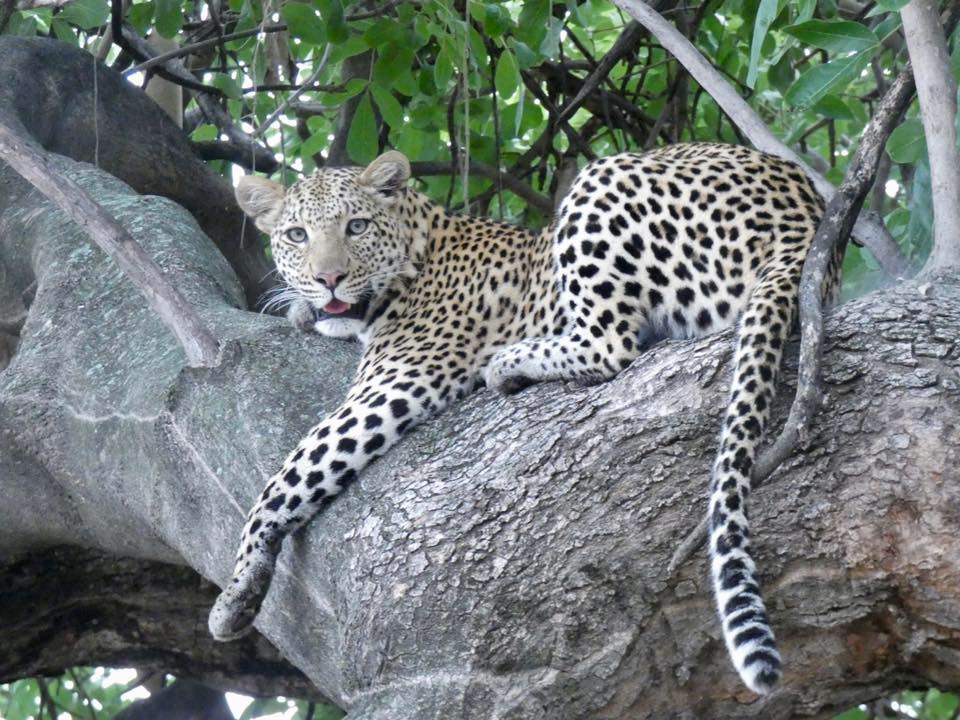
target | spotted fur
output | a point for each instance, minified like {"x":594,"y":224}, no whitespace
{"x":677,"y":242}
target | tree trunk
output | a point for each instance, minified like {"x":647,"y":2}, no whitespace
{"x":508,"y":559}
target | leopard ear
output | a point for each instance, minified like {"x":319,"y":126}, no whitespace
{"x":386,"y":175}
{"x":261,"y":199}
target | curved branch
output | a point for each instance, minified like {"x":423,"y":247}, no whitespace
{"x":202,"y":45}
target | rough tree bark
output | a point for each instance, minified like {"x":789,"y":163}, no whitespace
{"x":507,"y":560}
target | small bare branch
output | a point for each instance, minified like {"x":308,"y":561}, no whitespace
{"x":295,"y":94}
{"x":200,"y":347}
{"x":201,"y":45}
{"x":481,"y":169}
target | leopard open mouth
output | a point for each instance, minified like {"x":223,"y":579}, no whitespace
{"x":340,"y":309}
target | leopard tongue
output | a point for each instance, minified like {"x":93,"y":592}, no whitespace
{"x":336,"y":307}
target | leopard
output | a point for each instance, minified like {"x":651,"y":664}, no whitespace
{"x":676,"y":242}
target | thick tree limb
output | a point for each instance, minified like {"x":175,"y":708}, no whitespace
{"x":99,"y":608}
{"x":869,"y":229}
{"x":200,"y":347}
{"x":937,"y":90}
{"x":507,"y":560}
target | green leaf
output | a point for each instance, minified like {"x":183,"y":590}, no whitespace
{"x":525,"y":56}
{"x":507,"y":77}
{"x":821,"y":80}
{"x":534,"y":21}
{"x":390,"y":108}
{"x":766,"y":14}
{"x":840,"y":36}
{"x":354,"y":86}
{"x":443,"y":68}
{"x":939,"y":706}
{"x":88,"y":14}
{"x":907,"y":143}
{"x":205,"y":131}
{"x":496,"y":20}
{"x":362,"y":141}
{"x":331,"y":11}
{"x":304,"y":22}
{"x":140,"y":16}
{"x":832,"y":107}
{"x":228,"y":85}
{"x":63,"y":31}
{"x":891,"y":5}
{"x":392,"y":66}
{"x":169,"y":17}
{"x":780,"y":75}
{"x":805,"y":10}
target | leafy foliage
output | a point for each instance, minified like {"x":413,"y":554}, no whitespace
{"x":488,"y":79}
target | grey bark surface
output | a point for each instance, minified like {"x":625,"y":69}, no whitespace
{"x":506,"y":561}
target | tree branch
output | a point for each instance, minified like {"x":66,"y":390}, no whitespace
{"x":869,"y":230}
{"x":320,"y":65}
{"x":260,"y":157}
{"x":200,"y":347}
{"x":108,"y":608}
{"x":191,"y":48}
{"x":937,"y":90}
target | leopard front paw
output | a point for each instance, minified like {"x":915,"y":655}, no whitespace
{"x":503,"y":374}
{"x":301,"y":316}
{"x":237,"y":606}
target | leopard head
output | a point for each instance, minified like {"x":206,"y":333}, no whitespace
{"x":338,"y":236}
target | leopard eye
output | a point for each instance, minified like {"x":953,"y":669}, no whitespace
{"x":297,"y":235}
{"x":356,"y":226}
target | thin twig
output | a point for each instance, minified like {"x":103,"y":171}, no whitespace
{"x":625,"y":43}
{"x":869,"y":230}
{"x":508,"y":181}
{"x":82,"y":691}
{"x":201,"y":45}
{"x":294,"y":95}
{"x":174,"y":310}
{"x":572,"y":135}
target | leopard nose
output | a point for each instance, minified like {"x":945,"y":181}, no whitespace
{"x":329,"y":279}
